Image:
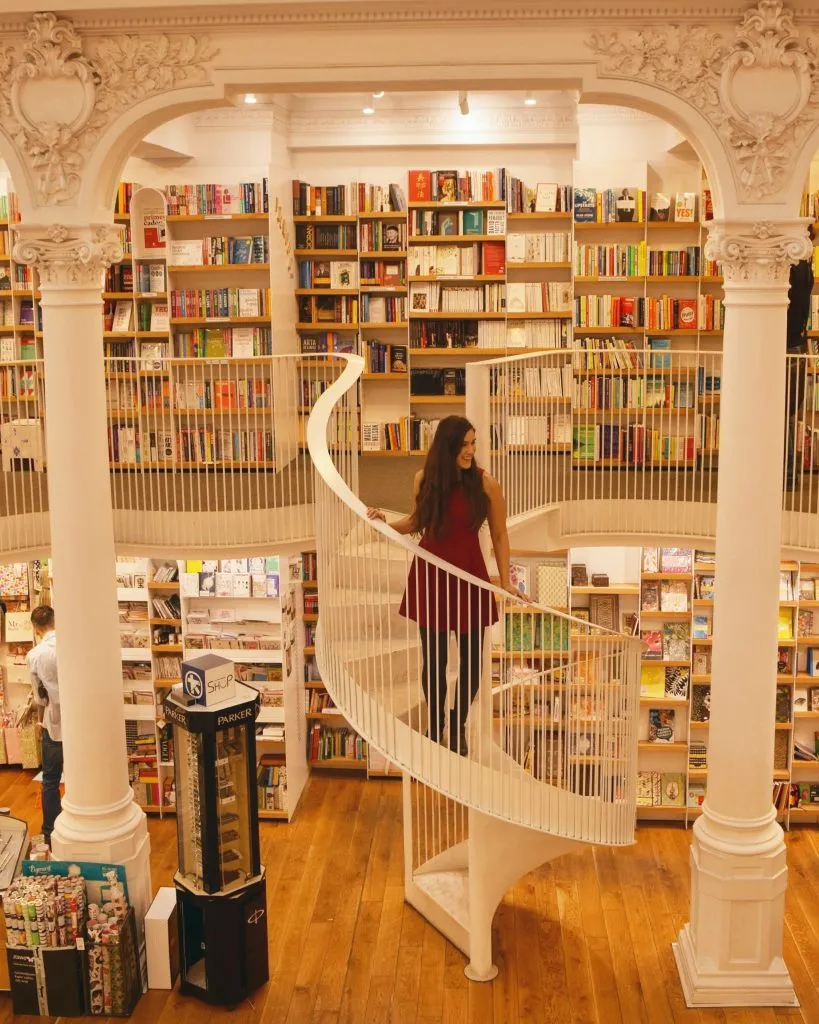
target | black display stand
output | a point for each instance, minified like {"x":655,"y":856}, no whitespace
{"x":220,"y":885}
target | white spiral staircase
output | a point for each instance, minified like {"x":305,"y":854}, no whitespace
{"x":552,"y":736}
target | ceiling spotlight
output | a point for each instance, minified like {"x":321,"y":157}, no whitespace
{"x":463,"y":103}
{"x":250,"y":97}
{"x":378,"y":95}
{"x":368,"y":110}
{"x":529,"y":100}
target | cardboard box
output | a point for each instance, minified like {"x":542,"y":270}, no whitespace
{"x":209,"y":679}
{"x":162,"y":940}
{"x":47,"y":982}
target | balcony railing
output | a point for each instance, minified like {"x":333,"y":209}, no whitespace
{"x":622,"y":441}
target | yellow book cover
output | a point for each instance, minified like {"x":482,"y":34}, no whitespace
{"x":652,"y":681}
{"x":193,"y":565}
{"x":785,"y":631}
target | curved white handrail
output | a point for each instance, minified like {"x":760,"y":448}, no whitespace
{"x":554,"y":749}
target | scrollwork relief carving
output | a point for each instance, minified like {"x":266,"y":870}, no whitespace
{"x":763,"y":254}
{"x":69,"y":255}
{"x":762,"y":117}
{"x":97,"y":82}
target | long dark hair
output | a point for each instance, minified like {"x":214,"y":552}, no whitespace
{"x":442,"y":474}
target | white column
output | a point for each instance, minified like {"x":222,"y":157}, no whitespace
{"x":730,"y":953}
{"x":100,"y":820}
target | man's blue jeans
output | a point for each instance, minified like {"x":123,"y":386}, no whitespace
{"x":52,"y":776}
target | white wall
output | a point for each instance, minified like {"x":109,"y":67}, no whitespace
{"x":622,"y":565}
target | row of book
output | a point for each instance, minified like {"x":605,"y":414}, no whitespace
{"x":385,"y":358}
{"x":327,"y":237}
{"x":539,"y":297}
{"x":337,"y":309}
{"x":345,"y":200}
{"x":271,"y":784}
{"x":219,"y":342}
{"x":198,"y":303}
{"x":619,"y":354}
{"x":324,"y":744}
{"x":704,"y":312}
{"x":487,"y":258}
{"x":336,"y":274}
{"x":644,"y":392}
{"x":553,"y":333}
{"x":381,"y":309}
{"x":534,"y":381}
{"x":537,"y":247}
{"x":457,"y":222}
{"x":554,"y":430}
{"x":235,"y":394}
{"x":632,"y":445}
{"x":457,"y":334}
{"x":382,"y":236}
{"x":202,"y":446}
{"x":217,"y":200}
{"x":548,"y":197}
{"x":218,"y":250}
{"x":451,"y":186}
{"x":456,"y":298}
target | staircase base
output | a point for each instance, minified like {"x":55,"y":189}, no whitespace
{"x":473,"y":975}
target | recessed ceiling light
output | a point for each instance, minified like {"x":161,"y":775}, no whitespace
{"x":378,"y":95}
{"x":368,"y":110}
{"x":530,"y":100}
{"x":250,"y":97}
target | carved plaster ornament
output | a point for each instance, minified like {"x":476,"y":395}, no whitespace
{"x":763,"y":255}
{"x":68,"y":255}
{"x":57,"y":100}
{"x":761,"y":91}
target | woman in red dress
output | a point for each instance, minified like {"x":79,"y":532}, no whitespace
{"x":453,"y":498}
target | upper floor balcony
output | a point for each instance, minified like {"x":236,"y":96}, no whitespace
{"x":610,"y":445}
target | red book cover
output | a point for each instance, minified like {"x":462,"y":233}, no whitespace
{"x":419,"y":186}
{"x":626,"y":318}
{"x":494,"y":257}
{"x":687,"y":314}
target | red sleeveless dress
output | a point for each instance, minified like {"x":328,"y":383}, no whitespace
{"x":439,"y":601}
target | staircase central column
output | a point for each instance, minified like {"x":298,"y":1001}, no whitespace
{"x":730,"y":953}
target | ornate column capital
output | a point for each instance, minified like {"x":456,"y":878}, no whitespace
{"x":759,"y":252}
{"x":75,"y":256}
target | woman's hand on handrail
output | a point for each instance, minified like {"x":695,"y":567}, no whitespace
{"x":376,"y":513}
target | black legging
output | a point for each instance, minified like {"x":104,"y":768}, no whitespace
{"x":435,"y":648}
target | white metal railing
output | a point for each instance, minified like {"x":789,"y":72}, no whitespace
{"x":800,"y":527}
{"x":406,"y":641}
{"x":24,"y":525}
{"x":211,"y":454}
{"x":624,"y":441}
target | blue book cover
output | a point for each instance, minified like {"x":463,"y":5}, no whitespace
{"x":585,"y":205}
{"x":662,"y":359}
{"x":240,"y":250}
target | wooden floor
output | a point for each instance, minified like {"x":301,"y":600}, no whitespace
{"x":585,"y":940}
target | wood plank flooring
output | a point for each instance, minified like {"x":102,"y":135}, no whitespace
{"x":586,"y":940}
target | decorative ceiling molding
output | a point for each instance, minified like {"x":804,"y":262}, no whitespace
{"x":760,"y":91}
{"x":239,"y":117}
{"x":601,"y":114}
{"x":337,"y":129}
{"x":95,"y":86}
{"x":175,"y":17}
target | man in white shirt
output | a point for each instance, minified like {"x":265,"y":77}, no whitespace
{"x":42,"y":666}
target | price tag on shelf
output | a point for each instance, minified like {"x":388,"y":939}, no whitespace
{"x":217,"y":216}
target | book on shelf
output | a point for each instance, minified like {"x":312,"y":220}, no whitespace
{"x":685,"y":206}
{"x":696,"y":794}
{"x":660,"y":208}
{"x":154,"y":230}
{"x":677,"y":679}
{"x":651,"y":560}
{"x":652,"y":681}
{"x":585,"y":205}
{"x":625,"y":205}
{"x":676,"y":560}
{"x":650,"y":596}
{"x":185,"y":253}
{"x":700,"y":702}
{"x":343,"y":274}
{"x":701,"y":625}
{"x":786,"y":591}
{"x":546,"y":197}
{"x":653,"y":640}
{"x":673,"y":596}
{"x":676,"y":641}
{"x":661,"y":725}
{"x":122,"y":316}
{"x":160,"y":316}
{"x":785,"y":624}
{"x":697,"y":755}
